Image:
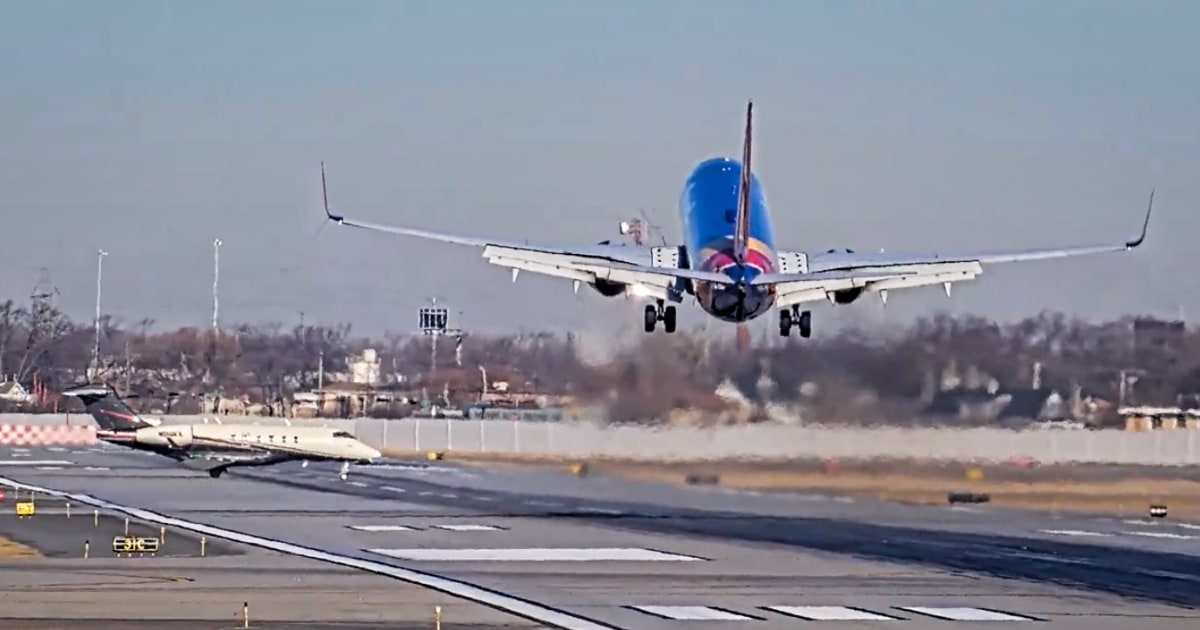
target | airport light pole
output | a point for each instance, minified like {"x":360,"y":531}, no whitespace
{"x":216,"y":283}
{"x":100,"y":254}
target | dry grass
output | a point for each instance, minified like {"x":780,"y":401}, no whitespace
{"x":1103,"y":490}
{"x":10,"y":549}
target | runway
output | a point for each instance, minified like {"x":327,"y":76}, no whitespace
{"x":635,"y":555}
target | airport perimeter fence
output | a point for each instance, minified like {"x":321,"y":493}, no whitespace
{"x":584,"y":439}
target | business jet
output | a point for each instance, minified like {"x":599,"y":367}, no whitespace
{"x":729,"y":262}
{"x":236,"y":445}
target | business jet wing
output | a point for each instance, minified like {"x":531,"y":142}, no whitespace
{"x":650,"y":269}
{"x":270,"y":459}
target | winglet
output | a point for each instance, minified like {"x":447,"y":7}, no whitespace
{"x":1145,"y":226}
{"x":325,"y":196}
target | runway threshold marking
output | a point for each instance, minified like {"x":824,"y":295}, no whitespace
{"x":831,"y":613}
{"x":962,"y":613}
{"x":465,"y":590}
{"x":693,"y":613}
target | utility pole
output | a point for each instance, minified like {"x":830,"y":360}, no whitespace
{"x":128,"y":365}
{"x":321,"y":371}
{"x":216,"y":284}
{"x":100,"y":254}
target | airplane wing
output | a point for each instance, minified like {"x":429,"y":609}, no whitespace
{"x":883,"y":272}
{"x":270,"y":459}
{"x":650,"y":271}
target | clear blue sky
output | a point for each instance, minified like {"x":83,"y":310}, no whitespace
{"x":149,"y":128}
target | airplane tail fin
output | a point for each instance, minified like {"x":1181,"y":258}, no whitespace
{"x":109,"y":411}
{"x":741,"y":230}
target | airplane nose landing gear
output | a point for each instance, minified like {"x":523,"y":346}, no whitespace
{"x":794,"y":317}
{"x":654,"y":314}
{"x":345,"y":471}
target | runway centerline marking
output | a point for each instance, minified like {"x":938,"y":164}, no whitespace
{"x":1073,"y":532}
{"x":1161,"y":535}
{"x":469,"y":528}
{"x":500,"y":601}
{"x":383,"y":528}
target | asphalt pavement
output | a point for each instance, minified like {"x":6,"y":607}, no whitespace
{"x":628,"y":554}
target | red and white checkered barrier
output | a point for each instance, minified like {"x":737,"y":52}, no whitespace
{"x":46,"y":435}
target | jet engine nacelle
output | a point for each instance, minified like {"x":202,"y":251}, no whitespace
{"x":608,"y":288}
{"x":846,"y":296}
{"x":180,"y":435}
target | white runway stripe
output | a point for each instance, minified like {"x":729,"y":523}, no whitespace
{"x":1072,"y":532}
{"x":963,"y":613}
{"x":692,"y":613}
{"x":599,"y":554}
{"x":469,"y":528}
{"x":383,"y":528}
{"x":1161,"y":535}
{"x":830,"y":613}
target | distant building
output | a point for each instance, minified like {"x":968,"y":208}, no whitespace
{"x":13,"y":391}
{"x":364,"y":369}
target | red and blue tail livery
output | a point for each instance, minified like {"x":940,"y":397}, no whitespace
{"x":730,"y":263}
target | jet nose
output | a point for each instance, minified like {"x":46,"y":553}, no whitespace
{"x":371,"y":454}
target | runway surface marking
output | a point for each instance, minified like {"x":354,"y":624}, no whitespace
{"x":831,"y":613}
{"x":465,"y":590}
{"x":35,"y":462}
{"x":383,"y":528}
{"x":692,"y":613}
{"x":468,"y":527}
{"x":958,"y":613}
{"x":545,"y":554}
{"x":1161,"y":535}
{"x":1072,"y":532}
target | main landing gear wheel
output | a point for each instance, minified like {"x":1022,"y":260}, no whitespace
{"x":654,"y":314}
{"x":793,"y":317}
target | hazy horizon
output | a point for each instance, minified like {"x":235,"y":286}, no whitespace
{"x":150,"y":128}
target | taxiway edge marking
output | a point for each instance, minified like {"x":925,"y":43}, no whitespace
{"x":500,"y":601}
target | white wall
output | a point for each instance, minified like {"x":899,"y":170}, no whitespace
{"x":1172,"y":447}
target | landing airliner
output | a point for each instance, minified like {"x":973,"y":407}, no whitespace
{"x":236,"y":444}
{"x":729,"y":261}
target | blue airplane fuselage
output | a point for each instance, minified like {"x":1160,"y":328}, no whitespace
{"x":708,"y":213}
